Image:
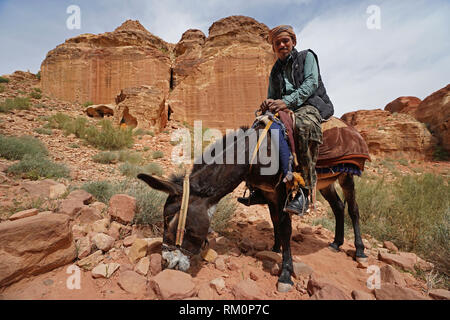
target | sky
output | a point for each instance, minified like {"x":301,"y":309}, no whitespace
{"x":370,"y":52}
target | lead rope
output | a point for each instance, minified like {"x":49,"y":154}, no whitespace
{"x":183,"y":211}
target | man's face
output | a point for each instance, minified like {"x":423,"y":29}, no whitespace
{"x":283,"y":45}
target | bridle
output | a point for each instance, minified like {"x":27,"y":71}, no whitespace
{"x":182,"y":222}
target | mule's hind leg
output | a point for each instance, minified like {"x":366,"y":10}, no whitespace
{"x":348,"y":186}
{"x":330,"y":194}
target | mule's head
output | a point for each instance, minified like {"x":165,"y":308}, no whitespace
{"x":196,"y":227}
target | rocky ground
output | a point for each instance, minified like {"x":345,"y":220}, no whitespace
{"x":83,"y":249}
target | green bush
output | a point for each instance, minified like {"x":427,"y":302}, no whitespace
{"x":87,"y":104}
{"x":15,"y":148}
{"x":149,"y":202}
{"x":109,"y":137}
{"x":157,"y":154}
{"x":43,"y":131}
{"x":2,"y":88}
{"x":4,"y":80}
{"x":58,"y":120}
{"x":18,"y":103}
{"x":440,"y":154}
{"x":131,"y":157}
{"x":105,"y":157}
{"x":35,"y":167}
{"x":132,"y":170}
{"x":101,"y":190}
{"x":224,"y":213}
{"x":36,"y":93}
{"x":413,"y":212}
{"x":38,"y":75}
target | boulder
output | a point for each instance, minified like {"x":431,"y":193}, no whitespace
{"x":330,"y":292}
{"x":82,"y":195}
{"x":248,"y":290}
{"x":142,"y":266}
{"x":404,"y":262}
{"x":137,"y":250}
{"x":361,"y":295}
{"x":104,"y":270}
{"x":103,"y":241}
{"x":434,"y":111}
{"x":390,"y":275}
{"x":398,"y":135}
{"x":71,"y":207}
{"x":132,"y":282}
{"x":155,"y":263}
{"x":394,"y":292}
{"x":91,"y":261}
{"x":269,"y":255}
{"x":34,"y":245}
{"x":301,"y":269}
{"x":122,"y":208}
{"x":173,"y":285}
{"x":84,"y":247}
{"x":24,"y":214}
{"x":439,"y":294}
{"x":44,"y":189}
{"x":406,"y":105}
{"x":142,"y":107}
{"x":88,"y":215}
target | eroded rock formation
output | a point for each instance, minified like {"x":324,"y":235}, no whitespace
{"x":96,"y":67}
{"x":397,"y":135}
{"x":223,"y":80}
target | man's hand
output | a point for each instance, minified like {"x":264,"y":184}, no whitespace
{"x":265,"y":105}
{"x":272,"y":105}
{"x":277,"y":105}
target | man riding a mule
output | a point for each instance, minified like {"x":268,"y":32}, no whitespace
{"x":295,"y":85}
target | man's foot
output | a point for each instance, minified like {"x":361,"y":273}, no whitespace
{"x":255,"y":197}
{"x":299,"y":205}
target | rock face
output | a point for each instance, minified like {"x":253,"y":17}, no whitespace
{"x":142,"y":107}
{"x":96,"y":67}
{"x":225,"y":74}
{"x":406,"y":105}
{"x":34,"y":245}
{"x":396,"y":135}
{"x":434,"y":110}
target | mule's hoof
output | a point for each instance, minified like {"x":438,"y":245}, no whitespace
{"x":284,"y":287}
{"x":333,"y":247}
{"x":362,"y":259}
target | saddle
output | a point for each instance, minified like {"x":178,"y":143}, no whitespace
{"x":343,"y":148}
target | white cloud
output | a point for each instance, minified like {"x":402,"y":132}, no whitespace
{"x":366,"y":69}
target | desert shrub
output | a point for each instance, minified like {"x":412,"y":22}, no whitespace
{"x":43,"y":131}
{"x":440,"y":154}
{"x":149,"y":202}
{"x":38,"y":75}
{"x":4,"y":80}
{"x":105,"y":157}
{"x":36,"y":93}
{"x":35,"y":167}
{"x":15,"y":148}
{"x":58,"y":120}
{"x":132,"y":170}
{"x":224,"y":213}
{"x":18,"y":103}
{"x":127,"y":156}
{"x":101,"y":190}
{"x":109,"y":137}
{"x":2,"y":88}
{"x":413,"y":212}
{"x":157,"y":154}
{"x":87,"y":104}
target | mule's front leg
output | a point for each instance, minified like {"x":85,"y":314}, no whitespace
{"x":274,"y":216}
{"x":284,"y":281}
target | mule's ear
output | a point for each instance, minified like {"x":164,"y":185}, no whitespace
{"x":161,"y":185}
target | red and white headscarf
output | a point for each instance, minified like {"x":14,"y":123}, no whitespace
{"x":283,"y":28}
